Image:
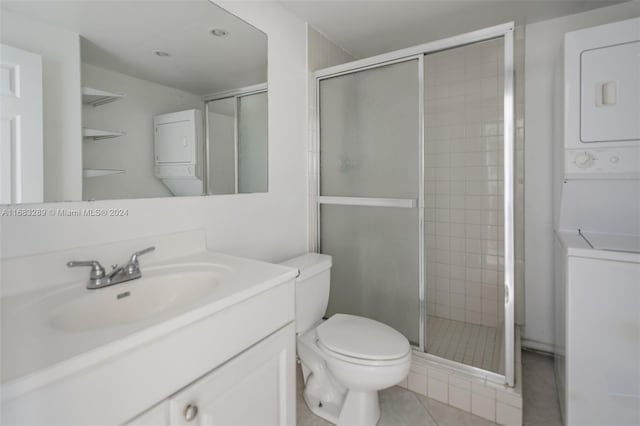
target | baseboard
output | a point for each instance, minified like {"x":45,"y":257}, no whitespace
{"x":534,"y":345}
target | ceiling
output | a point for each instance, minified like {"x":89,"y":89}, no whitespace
{"x":369,"y":27}
{"x":121,"y":35}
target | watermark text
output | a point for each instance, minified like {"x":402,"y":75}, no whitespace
{"x":62,"y":212}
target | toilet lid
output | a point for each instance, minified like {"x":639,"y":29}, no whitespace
{"x":363,"y":338}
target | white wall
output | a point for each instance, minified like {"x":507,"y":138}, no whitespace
{"x":60,"y":51}
{"x":322,"y":52}
{"x":270,"y":226}
{"x":543,"y":115}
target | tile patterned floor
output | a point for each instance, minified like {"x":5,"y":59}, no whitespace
{"x":471,"y":344}
{"x":540,"y":395}
{"x":401,"y":407}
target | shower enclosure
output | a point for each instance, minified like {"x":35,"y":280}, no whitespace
{"x":236,"y":141}
{"x":413,"y":195}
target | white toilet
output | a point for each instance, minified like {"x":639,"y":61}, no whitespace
{"x":346,"y":359}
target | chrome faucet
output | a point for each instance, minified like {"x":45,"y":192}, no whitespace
{"x":98,"y":278}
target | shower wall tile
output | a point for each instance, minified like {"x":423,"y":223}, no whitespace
{"x":464,"y":221}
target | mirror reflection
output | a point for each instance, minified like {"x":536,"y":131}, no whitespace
{"x":94,"y":107}
{"x":237,"y":142}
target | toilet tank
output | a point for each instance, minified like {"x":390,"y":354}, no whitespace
{"x":312,"y":288}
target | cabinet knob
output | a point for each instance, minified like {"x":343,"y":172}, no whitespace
{"x":190,"y":412}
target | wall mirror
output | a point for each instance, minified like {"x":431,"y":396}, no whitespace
{"x":130,"y":99}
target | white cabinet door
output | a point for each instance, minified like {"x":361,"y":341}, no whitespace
{"x":21,"y":151}
{"x":255,"y":388}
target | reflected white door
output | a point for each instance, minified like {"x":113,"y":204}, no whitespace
{"x":21,"y":149}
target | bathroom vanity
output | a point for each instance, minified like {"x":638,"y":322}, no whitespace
{"x":200,"y":337}
{"x":258,"y":378}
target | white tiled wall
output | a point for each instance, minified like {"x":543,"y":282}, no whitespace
{"x":464,"y":185}
{"x":464,"y":182}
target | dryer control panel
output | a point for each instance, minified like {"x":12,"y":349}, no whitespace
{"x":603,"y":163}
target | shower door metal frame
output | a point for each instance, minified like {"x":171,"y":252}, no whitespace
{"x":234,"y":94}
{"x":316,"y":200}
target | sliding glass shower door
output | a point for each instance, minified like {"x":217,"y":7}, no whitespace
{"x":415,"y":196}
{"x":371,"y":191}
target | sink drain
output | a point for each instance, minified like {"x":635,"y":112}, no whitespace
{"x":123,"y":295}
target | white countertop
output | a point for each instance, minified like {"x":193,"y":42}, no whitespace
{"x":35,"y":353}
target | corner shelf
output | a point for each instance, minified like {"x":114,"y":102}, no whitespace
{"x":97,"y":97}
{"x":91,"y":173}
{"x":97,"y":134}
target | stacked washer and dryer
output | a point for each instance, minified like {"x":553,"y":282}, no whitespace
{"x":597,"y":249}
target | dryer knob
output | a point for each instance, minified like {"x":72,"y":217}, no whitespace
{"x":584,"y":160}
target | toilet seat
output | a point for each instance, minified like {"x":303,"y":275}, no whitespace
{"x":362,"y":361}
{"x":362,"y":340}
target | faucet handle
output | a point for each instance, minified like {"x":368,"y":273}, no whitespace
{"x":133,"y":267}
{"x":134,"y":256}
{"x":97,"y":271}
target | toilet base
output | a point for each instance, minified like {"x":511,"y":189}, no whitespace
{"x":328,"y":411}
{"x":360,"y":409}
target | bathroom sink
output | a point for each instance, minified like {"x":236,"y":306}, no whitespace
{"x":156,"y":293}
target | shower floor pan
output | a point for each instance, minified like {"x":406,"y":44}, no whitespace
{"x":472,"y":344}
